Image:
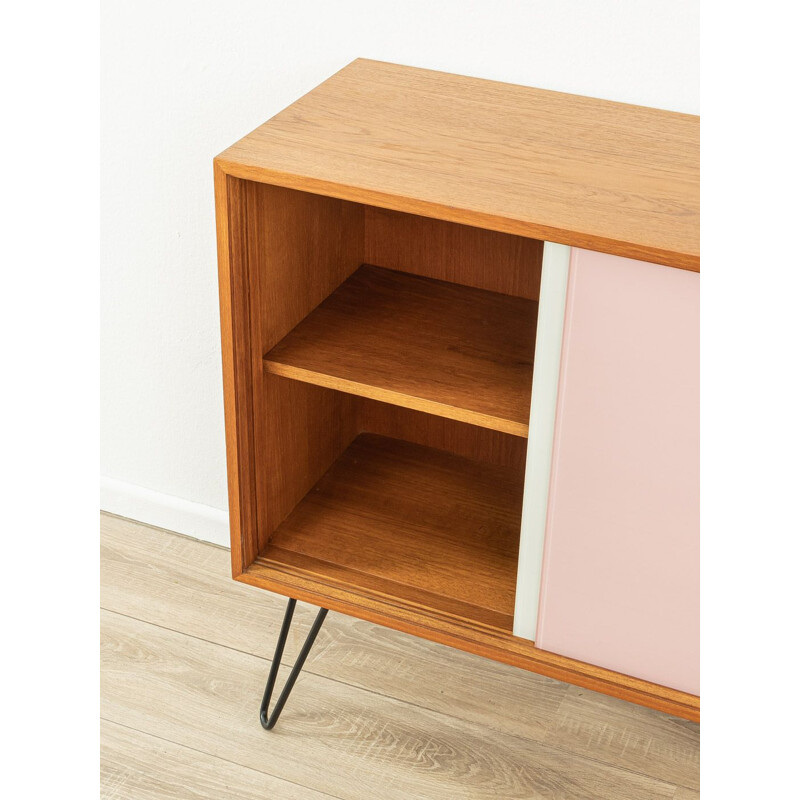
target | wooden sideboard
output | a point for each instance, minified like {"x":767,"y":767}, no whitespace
{"x":460,"y":355}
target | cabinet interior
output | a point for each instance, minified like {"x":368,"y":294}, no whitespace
{"x":391,"y":360}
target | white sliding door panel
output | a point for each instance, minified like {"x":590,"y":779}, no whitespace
{"x":546,"y":370}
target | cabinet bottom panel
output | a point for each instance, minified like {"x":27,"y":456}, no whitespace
{"x":412,"y":525}
{"x":470,"y":636}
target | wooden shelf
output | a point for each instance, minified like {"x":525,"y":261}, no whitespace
{"x":420,"y":527}
{"x":425,"y":344}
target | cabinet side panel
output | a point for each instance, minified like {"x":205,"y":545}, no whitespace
{"x":300,"y":248}
{"x":305,"y":429}
{"x":305,"y":245}
{"x":620,"y":584}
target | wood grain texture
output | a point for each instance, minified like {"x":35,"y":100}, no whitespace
{"x":590,"y":173}
{"x":302,"y":246}
{"x":459,"y":438}
{"x":489,"y":642}
{"x":333,"y":738}
{"x":449,"y":350}
{"x":623,"y":180}
{"x":234,"y":302}
{"x":430,"y":620}
{"x":306,"y":582}
{"x":297,"y":249}
{"x":410,"y":524}
{"x":638,"y":739}
{"x":305,"y":429}
{"x":143,"y":577}
{"x":483,"y":259}
{"x":137,"y":766}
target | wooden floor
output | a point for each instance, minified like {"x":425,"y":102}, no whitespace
{"x":374,"y":714}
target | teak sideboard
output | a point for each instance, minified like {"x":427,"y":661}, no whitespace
{"x":460,"y":338}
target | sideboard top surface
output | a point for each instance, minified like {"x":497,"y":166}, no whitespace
{"x":605,"y":176}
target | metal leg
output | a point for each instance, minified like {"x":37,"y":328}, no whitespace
{"x":268,"y":721}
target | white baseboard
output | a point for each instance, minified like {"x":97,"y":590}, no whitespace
{"x":164,"y":511}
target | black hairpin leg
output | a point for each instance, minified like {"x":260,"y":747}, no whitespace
{"x":268,"y":722}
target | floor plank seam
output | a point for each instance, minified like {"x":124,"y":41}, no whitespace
{"x":137,"y":581}
{"x":359,"y":687}
{"x":440,"y":714}
{"x":220,"y":758}
{"x":308,"y":669}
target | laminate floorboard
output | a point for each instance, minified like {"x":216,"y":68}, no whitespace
{"x":615,"y":732}
{"x":375,"y":713}
{"x":137,"y":766}
{"x":185,"y":585}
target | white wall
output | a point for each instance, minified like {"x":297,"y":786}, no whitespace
{"x":183,"y":80}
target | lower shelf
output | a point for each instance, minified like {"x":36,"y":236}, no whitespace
{"x":412,"y":525}
{"x":425,"y":542}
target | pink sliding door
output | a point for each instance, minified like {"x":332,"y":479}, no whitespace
{"x":621,"y":556}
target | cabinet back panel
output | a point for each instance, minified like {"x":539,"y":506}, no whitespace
{"x":459,"y":438}
{"x":497,"y":262}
